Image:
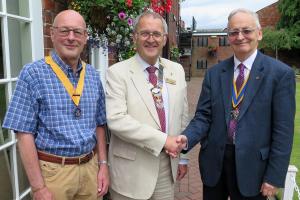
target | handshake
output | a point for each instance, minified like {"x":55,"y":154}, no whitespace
{"x":175,"y":144}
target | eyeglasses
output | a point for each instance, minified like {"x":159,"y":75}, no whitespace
{"x":65,"y":31}
{"x":245,"y":32}
{"x":156,"y":35}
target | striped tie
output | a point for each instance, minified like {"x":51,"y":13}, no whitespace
{"x":233,"y":119}
{"x":160,"y":111}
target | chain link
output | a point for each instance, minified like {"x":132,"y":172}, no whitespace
{"x":296,"y":187}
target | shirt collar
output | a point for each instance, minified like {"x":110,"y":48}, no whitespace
{"x":144,"y":64}
{"x":66,"y":68}
{"x":248,"y":62}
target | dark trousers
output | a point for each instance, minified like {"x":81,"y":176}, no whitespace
{"x":227,"y":185}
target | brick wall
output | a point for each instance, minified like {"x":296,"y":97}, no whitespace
{"x":269,"y":16}
{"x":50,"y":10}
{"x":201,"y":53}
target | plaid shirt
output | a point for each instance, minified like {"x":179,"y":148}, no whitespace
{"x":41,"y":106}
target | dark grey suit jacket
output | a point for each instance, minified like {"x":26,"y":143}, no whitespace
{"x":265,"y":124}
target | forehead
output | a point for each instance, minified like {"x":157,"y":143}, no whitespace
{"x":148,"y":22}
{"x":242,"y":20}
{"x":69,"y":20}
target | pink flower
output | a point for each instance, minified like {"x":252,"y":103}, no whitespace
{"x":130,"y":21}
{"x":122,"y":15}
{"x":129,"y":3}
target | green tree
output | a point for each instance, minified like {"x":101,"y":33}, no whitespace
{"x":290,"y":20}
{"x":276,"y":40}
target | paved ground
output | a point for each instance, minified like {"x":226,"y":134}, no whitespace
{"x":190,"y":187}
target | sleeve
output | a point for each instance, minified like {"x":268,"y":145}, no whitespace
{"x":22,"y":113}
{"x":283,"y":115}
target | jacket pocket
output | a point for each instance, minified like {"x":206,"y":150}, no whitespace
{"x":125,"y":151}
{"x":264,"y":152}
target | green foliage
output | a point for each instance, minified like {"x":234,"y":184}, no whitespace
{"x":290,"y":20}
{"x":174,"y":53}
{"x":276,"y":39}
{"x":110,"y":22}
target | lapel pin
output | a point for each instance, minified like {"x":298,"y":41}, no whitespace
{"x":257,"y":78}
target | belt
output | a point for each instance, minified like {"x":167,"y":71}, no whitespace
{"x":66,"y":160}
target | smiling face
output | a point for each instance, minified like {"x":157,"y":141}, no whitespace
{"x":246,"y":35}
{"x":150,"y":38}
{"x":68,"y":35}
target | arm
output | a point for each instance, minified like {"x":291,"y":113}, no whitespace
{"x":199,"y":125}
{"x":31,"y":164}
{"x":283,"y":113}
{"x":103,"y":174}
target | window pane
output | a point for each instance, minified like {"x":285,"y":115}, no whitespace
{"x":5,"y":181}
{"x":4,"y":137}
{"x":2,"y":74}
{"x":18,"y":7}
{"x":19,"y":45}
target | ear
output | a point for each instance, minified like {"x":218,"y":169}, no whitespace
{"x":260,"y":35}
{"x":165,"y":39}
{"x":52,"y":33}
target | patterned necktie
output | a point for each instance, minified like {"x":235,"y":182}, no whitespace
{"x":160,"y":111}
{"x":235,"y":111}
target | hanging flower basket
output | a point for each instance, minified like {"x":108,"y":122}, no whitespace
{"x":212,"y":51}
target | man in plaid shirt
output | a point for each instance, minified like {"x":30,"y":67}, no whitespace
{"x":58,"y":113}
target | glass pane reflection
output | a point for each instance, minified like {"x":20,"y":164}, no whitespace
{"x":18,"y":7}
{"x":19,"y":45}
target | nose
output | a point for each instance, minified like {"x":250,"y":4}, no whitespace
{"x":240,"y":35}
{"x":71,"y":35}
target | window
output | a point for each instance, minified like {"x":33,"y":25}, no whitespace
{"x":202,"y":64}
{"x":223,"y":41}
{"x":21,"y":21}
{"x":202,"y":41}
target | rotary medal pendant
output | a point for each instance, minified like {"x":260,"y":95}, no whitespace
{"x":235,"y":113}
{"x":157,"y":96}
{"x":77,"y":112}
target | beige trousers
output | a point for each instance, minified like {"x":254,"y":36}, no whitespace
{"x":164,"y":189}
{"x":71,"y":182}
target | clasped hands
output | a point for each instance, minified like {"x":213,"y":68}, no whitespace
{"x":175,"y":144}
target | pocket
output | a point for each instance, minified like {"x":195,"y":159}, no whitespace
{"x":125,"y":151}
{"x":264,"y":152}
{"x":49,"y":169}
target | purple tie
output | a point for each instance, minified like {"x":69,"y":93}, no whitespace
{"x":233,"y":119}
{"x":160,"y":111}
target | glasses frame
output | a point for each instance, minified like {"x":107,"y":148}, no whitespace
{"x":246,"y":32}
{"x":77,"y":32}
{"x":149,"y":34}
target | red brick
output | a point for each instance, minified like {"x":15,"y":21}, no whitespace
{"x":48,"y":4}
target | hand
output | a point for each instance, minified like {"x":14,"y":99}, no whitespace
{"x":175,"y":144}
{"x":103,"y":180}
{"x":43,"y":194}
{"x":181,"y":172}
{"x":268,"y":190}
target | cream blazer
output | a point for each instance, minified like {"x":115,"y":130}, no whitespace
{"x":136,"y":139}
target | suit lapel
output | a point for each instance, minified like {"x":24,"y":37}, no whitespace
{"x":226,"y":84}
{"x":142,"y":86}
{"x":169,"y":75}
{"x":255,"y":79}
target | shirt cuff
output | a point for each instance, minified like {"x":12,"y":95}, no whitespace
{"x":183,"y":161}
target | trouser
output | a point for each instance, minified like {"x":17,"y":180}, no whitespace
{"x":164,"y":189}
{"x":227,"y":185}
{"x":71,"y":182}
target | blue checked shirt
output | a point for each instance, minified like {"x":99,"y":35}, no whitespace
{"x":41,"y":106}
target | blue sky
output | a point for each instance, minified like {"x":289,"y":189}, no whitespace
{"x":213,"y":13}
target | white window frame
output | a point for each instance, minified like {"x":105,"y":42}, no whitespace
{"x":35,"y":20}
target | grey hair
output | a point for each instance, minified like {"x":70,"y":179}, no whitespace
{"x":154,"y":15}
{"x":243,"y":10}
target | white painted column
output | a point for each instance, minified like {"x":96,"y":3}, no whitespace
{"x":290,"y":184}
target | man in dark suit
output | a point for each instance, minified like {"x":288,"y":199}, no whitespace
{"x":244,"y":118}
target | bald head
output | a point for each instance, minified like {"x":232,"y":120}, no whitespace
{"x":69,"y":15}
